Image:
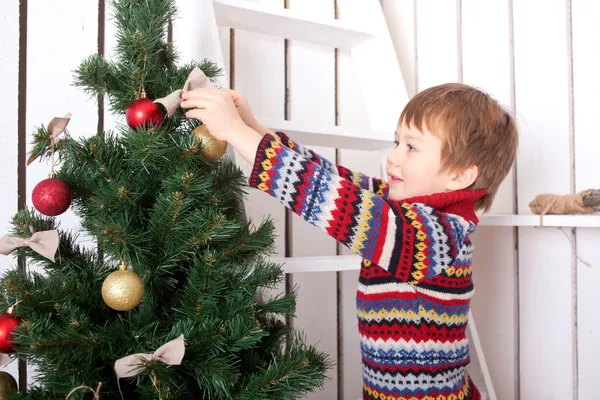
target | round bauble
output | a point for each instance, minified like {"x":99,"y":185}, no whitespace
{"x":8,"y":323}
{"x":143,"y":112}
{"x":123,"y":290}
{"x":8,"y":385}
{"x":51,"y":197}
{"x":212,"y":149}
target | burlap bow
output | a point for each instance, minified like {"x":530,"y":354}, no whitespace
{"x":170,"y":353}
{"x":45,"y":243}
{"x":196,"y":79}
{"x":4,"y":358}
{"x":56,"y":126}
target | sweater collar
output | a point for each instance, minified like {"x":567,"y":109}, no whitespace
{"x":460,"y":202}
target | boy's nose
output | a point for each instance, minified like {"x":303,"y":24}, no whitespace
{"x":394,"y":157}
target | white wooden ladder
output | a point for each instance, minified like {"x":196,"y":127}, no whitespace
{"x":383,"y":91}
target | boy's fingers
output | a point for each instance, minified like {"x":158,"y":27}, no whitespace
{"x":195,"y":113}
{"x":196,"y":102}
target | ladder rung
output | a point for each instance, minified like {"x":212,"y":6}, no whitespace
{"x":285,"y":23}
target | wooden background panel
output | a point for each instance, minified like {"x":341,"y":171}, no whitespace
{"x":263,"y":84}
{"x":586,"y":86}
{"x":9,"y":118}
{"x":437,"y":42}
{"x":401,"y":22}
{"x":495,"y":308}
{"x":50,"y":92}
{"x":545,"y":262}
{"x":311,"y":88}
{"x":9,"y":79}
{"x":487,"y":64}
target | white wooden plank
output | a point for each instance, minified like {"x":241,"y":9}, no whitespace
{"x":312,"y":98}
{"x":545,"y":260}
{"x":264,"y":86}
{"x":365,"y":162}
{"x":586,"y":84}
{"x":377,"y":69}
{"x":487,"y":64}
{"x":401,"y":22}
{"x":9,"y":118}
{"x":576,"y":221}
{"x":9,"y":79}
{"x":328,"y":135}
{"x":111,"y":120}
{"x":437,"y":42}
{"x":307,"y":27}
{"x":495,"y":307}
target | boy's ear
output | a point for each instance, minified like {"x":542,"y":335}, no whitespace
{"x":464,"y":178}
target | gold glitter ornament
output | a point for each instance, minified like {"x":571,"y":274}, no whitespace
{"x":123,"y":290}
{"x":211,"y":148}
{"x":8,"y":385}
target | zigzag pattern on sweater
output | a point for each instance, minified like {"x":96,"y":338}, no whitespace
{"x":415,"y":280}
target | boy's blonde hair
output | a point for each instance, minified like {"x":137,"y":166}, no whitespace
{"x":475,"y":130}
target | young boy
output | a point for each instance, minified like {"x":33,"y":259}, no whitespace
{"x":454,"y":146}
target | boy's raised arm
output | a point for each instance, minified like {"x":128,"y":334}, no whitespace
{"x":412,"y":243}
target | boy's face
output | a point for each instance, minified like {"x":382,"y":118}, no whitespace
{"x":414,"y":165}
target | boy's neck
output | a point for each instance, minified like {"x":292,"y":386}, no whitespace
{"x":460,"y":202}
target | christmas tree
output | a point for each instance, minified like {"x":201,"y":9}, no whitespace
{"x":175,"y":277}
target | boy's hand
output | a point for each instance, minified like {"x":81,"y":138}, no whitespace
{"x":216,"y":109}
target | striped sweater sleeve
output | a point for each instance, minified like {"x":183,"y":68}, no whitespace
{"x":375,"y":185}
{"x":413,"y":242}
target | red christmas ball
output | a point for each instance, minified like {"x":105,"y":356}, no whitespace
{"x":51,"y":197}
{"x":144,"y":112}
{"x":8,"y":323}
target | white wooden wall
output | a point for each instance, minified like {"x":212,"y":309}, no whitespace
{"x":534,"y":303}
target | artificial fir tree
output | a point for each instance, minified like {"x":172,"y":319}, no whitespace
{"x":161,"y":209}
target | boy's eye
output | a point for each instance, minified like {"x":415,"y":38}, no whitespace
{"x":411,"y":148}
{"x":396,"y":143}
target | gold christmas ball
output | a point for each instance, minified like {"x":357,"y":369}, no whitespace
{"x":8,"y":385}
{"x":123,"y":290}
{"x":212,"y":149}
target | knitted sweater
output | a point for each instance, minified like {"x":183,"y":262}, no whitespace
{"x":415,"y":278}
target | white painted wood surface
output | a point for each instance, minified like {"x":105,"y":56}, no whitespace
{"x":437,"y":42}
{"x":487,"y":64}
{"x":546,"y":297}
{"x":9,"y":79}
{"x":586,"y":81}
{"x":263,"y":83}
{"x":287,"y":23}
{"x":311,"y":87}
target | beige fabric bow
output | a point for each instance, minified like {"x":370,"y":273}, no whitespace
{"x":56,"y":126}
{"x":45,"y":243}
{"x":4,"y":358}
{"x":170,"y":353}
{"x":196,"y":79}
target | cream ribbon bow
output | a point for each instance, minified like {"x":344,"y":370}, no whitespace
{"x":196,"y":79}
{"x":170,"y":353}
{"x":45,"y":243}
{"x":56,"y":126}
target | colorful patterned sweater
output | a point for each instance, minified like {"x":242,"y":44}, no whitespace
{"x":415,"y":279}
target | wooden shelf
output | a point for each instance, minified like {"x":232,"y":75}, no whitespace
{"x":292,"y":265}
{"x":284,"y":23}
{"x":331,"y":136}
{"x":571,"y":221}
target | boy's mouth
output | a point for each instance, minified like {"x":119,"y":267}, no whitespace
{"x":394,"y":178}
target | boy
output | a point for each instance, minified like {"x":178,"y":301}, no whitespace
{"x":454,"y":146}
